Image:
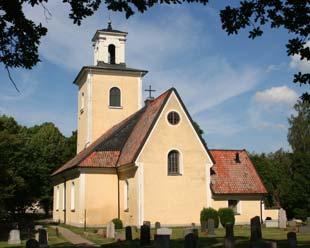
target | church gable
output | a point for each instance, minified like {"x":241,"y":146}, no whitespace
{"x":175,"y":126}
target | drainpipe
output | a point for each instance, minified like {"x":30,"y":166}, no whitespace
{"x":261,"y":210}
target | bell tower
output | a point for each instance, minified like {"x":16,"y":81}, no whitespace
{"x":108,"y":90}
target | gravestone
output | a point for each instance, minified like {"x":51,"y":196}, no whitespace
{"x":270,"y":244}
{"x":32,"y":243}
{"x":292,"y":240}
{"x":43,"y":242}
{"x":229,"y":241}
{"x":162,"y":238}
{"x":14,"y":237}
{"x":203,"y":227}
{"x":292,"y":223}
{"x":148,"y":223}
{"x":190,"y":240}
{"x":256,"y":230}
{"x":145,"y":235}
{"x":305,"y":229}
{"x":157,"y":224}
{"x":111,"y":230}
{"x":282,"y":218}
{"x":191,"y":230}
{"x":120,"y":235}
{"x":211,"y":232}
{"x":128,"y":232}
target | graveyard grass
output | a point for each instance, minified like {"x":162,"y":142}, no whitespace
{"x":241,"y":235}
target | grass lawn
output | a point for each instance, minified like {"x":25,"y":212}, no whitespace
{"x":54,"y":241}
{"x":242,"y":235}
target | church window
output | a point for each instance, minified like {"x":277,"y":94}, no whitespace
{"x":115,"y":97}
{"x":173,"y":118}
{"x":234,"y":205}
{"x":82,"y":103}
{"x":57,"y":198}
{"x":126,"y":195}
{"x":72,"y":197}
{"x":111,"y":50}
{"x":173,"y":163}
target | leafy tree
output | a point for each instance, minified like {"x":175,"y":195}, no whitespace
{"x":299,"y":131}
{"x":27,"y":158}
{"x":20,"y":37}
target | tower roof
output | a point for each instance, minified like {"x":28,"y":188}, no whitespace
{"x":109,"y":30}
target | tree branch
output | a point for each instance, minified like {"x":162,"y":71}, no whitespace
{"x":11,"y":79}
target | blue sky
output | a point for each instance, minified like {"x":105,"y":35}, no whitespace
{"x":237,"y":89}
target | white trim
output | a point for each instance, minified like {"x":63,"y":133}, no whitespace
{"x":82,"y":197}
{"x":208,"y":185}
{"x":139,"y":93}
{"x":193,"y":129}
{"x":140,"y":188}
{"x":120,"y":100}
{"x":72,"y":196}
{"x":168,"y":112}
{"x":89,"y":109}
{"x":57,"y":198}
{"x":181,"y":165}
{"x":156,"y":123}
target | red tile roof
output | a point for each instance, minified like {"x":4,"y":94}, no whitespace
{"x":231,"y":177}
{"x":121,"y":144}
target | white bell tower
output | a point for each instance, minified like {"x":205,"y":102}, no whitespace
{"x":109,"y":46}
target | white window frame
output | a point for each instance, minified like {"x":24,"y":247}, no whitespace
{"x":181,"y":169}
{"x":57,"y":198}
{"x":72,"y":197}
{"x":126,"y":195}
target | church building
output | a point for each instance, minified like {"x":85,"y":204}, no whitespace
{"x":144,"y":160}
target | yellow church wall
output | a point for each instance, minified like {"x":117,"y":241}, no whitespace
{"x":101,"y":198}
{"x":174,"y":200}
{"x":248,"y":208}
{"x":82,"y":116}
{"x":104,"y":116}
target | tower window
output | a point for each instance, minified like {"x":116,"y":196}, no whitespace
{"x":126,"y":195}
{"x":111,"y":50}
{"x":115,"y":97}
{"x":173,"y":163}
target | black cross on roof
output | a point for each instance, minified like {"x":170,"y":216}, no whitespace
{"x":150,"y":91}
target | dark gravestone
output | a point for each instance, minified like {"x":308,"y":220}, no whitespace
{"x":256,"y":230}
{"x":145,"y":235}
{"x":43,"y":238}
{"x":148,"y":223}
{"x":128,"y":233}
{"x":211,"y":232}
{"x":32,"y":243}
{"x":203,"y":227}
{"x":161,"y":241}
{"x":190,"y":240}
{"x":229,"y":241}
{"x":292,"y":240}
{"x":157,"y":224}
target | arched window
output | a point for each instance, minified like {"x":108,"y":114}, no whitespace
{"x":173,"y":162}
{"x":111,"y":50}
{"x":115,"y":97}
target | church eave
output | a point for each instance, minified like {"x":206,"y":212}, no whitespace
{"x":99,"y":69}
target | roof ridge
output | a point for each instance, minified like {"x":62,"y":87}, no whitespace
{"x":218,"y":149}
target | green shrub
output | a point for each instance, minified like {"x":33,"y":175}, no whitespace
{"x":118,"y":223}
{"x":226,"y":216}
{"x":209,"y":213}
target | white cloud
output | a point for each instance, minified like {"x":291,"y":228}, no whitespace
{"x":281,"y":94}
{"x":301,"y":65}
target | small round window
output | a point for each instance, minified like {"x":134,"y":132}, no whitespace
{"x":173,"y":118}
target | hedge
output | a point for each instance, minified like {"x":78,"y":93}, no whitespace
{"x":209,"y":213}
{"x":118,"y":223}
{"x":226,"y":216}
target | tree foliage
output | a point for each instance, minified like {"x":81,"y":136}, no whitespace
{"x":28,"y":156}
{"x":286,"y":175}
{"x":20,"y":37}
